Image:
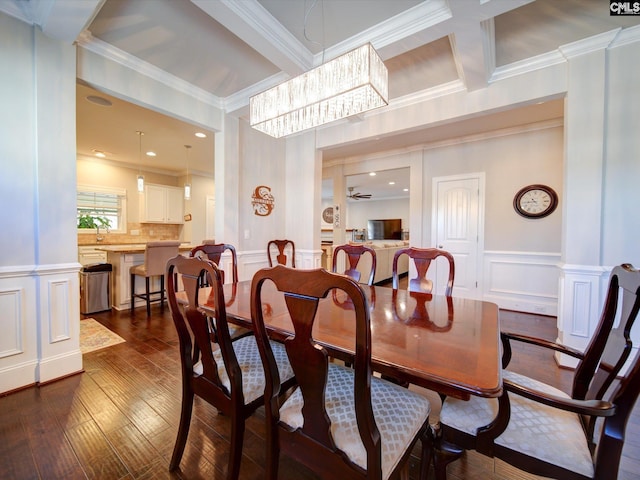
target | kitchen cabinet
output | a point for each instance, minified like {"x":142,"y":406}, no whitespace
{"x":161,"y":204}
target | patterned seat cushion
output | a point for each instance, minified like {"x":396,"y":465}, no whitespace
{"x":253,"y":381}
{"x":537,"y":430}
{"x":398,"y":412}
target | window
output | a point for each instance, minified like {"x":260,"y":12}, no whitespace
{"x":102,"y":207}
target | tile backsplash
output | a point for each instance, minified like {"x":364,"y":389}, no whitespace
{"x":148,"y":232}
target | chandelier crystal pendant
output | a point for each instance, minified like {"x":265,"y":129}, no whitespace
{"x":352,"y":83}
{"x":140,"y":178}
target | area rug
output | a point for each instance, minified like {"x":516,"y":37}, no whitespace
{"x":94,"y":336}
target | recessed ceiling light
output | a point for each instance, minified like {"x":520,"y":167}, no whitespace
{"x":99,"y":100}
{"x":100,"y":154}
{"x":151,"y":154}
{"x":405,"y":189}
{"x":201,"y":135}
{"x":372,"y":174}
{"x":392,"y":183}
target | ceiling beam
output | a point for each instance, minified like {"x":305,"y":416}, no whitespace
{"x":255,"y":26}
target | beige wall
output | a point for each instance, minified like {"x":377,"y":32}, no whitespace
{"x":96,"y":172}
{"x":510,"y":160}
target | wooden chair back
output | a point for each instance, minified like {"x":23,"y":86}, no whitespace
{"x":605,"y":388}
{"x":313,"y":442}
{"x":214,"y":253}
{"x":277,"y":253}
{"x":422,"y":258}
{"x":200,"y":369}
{"x":353,"y":254}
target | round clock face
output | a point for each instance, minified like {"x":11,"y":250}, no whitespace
{"x":327,"y":215}
{"x":535,"y":201}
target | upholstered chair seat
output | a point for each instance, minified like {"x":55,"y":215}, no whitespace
{"x":399,"y":414}
{"x":550,"y":434}
{"x":248,"y":357}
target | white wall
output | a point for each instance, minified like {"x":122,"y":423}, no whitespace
{"x":621,"y":219}
{"x":39,"y":287}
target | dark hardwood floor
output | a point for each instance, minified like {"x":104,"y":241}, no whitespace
{"x":118,"y":419}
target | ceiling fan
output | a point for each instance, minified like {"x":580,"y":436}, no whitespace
{"x":357,"y":195}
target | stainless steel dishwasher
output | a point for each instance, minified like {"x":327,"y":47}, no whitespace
{"x":95,"y":288}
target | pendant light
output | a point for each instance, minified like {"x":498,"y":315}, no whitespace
{"x":140,"y":176}
{"x":187,"y":185}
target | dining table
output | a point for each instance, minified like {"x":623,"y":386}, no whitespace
{"x":447,"y":344}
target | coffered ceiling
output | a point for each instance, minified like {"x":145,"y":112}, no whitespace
{"x":224,"y":51}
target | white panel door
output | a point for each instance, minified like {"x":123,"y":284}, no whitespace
{"x":457,"y":220}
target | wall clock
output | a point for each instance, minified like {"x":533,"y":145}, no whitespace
{"x":535,"y":201}
{"x":327,"y":215}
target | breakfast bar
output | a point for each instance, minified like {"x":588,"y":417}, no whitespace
{"x":123,"y":257}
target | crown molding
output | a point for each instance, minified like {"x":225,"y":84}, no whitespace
{"x":260,"y":20}
{"x":395,"y":29}
{"x":92,"y":44}
{"x":626,"y":36}
{"x":240,"y":99}
{"x":589,"y":45}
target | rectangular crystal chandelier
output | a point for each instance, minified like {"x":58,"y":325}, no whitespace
{"x":347,"y":85}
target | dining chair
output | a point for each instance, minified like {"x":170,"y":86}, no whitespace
{"x":214,"y":252}
{"x":340,"y":422}
{"x":156,"y":255}
{"x":422,"y":258}
{"x":353,"y":254}
{"x":277,"y":250}
{"x":542,"y":430}
{"x":229,"y":377}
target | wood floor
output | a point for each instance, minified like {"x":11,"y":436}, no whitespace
{"x":118,"y":419}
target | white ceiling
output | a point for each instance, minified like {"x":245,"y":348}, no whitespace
{"x":227,"y":50}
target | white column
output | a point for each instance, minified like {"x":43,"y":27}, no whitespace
{"x":581,"y":272}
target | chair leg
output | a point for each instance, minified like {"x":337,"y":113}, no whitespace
{"x":162,"y":293}
{"x":428,"y":444}
{"x":236,"y":441}
{"x":273,"y":452}
{"x":445,"y":453}
{"x":183,"y":429}
{"x":148,"y":299}
{"x":133,"y":290}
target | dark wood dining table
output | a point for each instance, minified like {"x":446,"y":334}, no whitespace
{"x":446,"y":344}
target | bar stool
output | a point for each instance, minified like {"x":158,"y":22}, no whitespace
{"x":156,"y":256}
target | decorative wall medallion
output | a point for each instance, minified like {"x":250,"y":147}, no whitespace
{"x":262,"y":201}
{"x":327,"y":215}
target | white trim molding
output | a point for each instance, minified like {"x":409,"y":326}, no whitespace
{"x":522,"y":281}
{"x":40,"y":319}
{"x":581,"y":289}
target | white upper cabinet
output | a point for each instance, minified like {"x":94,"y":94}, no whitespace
{"x":161,"y":204}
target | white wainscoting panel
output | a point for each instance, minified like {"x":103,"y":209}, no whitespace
{"x":522,"y":281}
{"x":59,"y":331}
{"x":19,"y":327}
{"x":11,"y":340}
{"x":308,"y":259}
{"x":582,"y":289}
{"x":249,"y":262}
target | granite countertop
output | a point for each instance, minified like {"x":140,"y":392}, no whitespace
{"x":135,"y":248}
